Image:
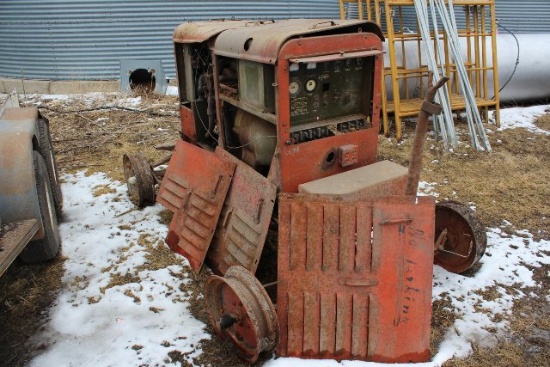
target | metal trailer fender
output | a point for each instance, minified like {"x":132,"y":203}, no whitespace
{"x":18,"y":139}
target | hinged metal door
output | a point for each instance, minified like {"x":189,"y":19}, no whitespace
{"x":355,"y":278}
{"x":403,"y":252}
{"x":194,"y":188}
{"x":240,"y":236}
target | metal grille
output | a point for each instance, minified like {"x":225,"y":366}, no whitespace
{"x":174,"y":192}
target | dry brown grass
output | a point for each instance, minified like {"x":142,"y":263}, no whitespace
{"x":26,"y":291}
{"x":543,"y":122}
{"x":102,"y":190}
{"x":509,"y":183}
{"x":158,"y":256}
{"x":443,"y":318}
{"x":528,"y":341}
{"x":95,"y":137}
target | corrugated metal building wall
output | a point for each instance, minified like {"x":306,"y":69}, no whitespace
{"x":518,"y":16}
{"x":524,"y":16}
{"x":86,"y":39}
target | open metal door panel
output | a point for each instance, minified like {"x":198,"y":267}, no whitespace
{"x":174,"y":188}
{"x":240,"y":236}
{"x":403,"y":251}
{"x":325,"y":281}
{"x":195,"y":187}
{"x":342,"y":281}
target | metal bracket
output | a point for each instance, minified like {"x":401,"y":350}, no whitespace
{"x":431,"y":108}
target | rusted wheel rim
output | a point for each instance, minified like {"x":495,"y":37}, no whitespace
{"x":460,"y":237}
{"x":139,"y":180}
{"x":240,"y":311}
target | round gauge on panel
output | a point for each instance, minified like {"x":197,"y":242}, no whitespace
{"x":294,"y":88}
{"x":310,"y":85}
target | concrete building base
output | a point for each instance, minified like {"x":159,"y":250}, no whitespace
{"x":30,"y":86}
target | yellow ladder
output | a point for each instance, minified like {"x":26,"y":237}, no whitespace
{"x":361,"y":6}
{"x":481,"y":61}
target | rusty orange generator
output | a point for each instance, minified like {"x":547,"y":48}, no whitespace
{"x":279,"y":125}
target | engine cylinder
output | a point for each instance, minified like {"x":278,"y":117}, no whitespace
{"x":257,"y":137}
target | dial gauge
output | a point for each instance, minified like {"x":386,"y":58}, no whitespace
{"x":294,"y":88}
{"x":310,"y":85}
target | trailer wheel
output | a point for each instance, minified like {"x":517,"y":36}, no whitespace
{"x":460,"y":237}
{"x":46,"y":150}
{"x":240,"y":311}
{"x":139,"y":180}
{"x":47,"y":247}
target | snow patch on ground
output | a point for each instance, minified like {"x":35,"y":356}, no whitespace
{"x":93,"y":323}
{"x":521,"y":117}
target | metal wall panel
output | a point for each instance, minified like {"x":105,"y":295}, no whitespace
{"x":85,"y":39}
{"x":528,"y":16}
{"x":244,"y":221}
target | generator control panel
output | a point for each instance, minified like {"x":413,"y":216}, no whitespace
{"x":327,"y":90}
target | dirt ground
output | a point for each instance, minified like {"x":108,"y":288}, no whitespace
{"x":510,"y":183}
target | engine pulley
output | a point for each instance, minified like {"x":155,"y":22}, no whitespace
{"x":240,"y":311}
{"x":460,"y":237}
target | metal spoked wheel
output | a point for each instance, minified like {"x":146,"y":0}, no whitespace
{"x":140,"y":180}
{"x":241,"y":311}
{"x":460,"y":237}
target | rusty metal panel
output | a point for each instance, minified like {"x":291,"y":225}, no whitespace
{"x":240,"y":236}
{"x":345,"y":294}
{"x":18,"y":129}
{"x":311,"y":160}
{"x":268,"y":36}
{"x":403,"y":251}
{"x":323,"y":277}
{"x":335,"y":56}
{"x":194,"y":188}
{"x":188,"y":123}
{"x":201,"y":31}
{"x":174,"y":189}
